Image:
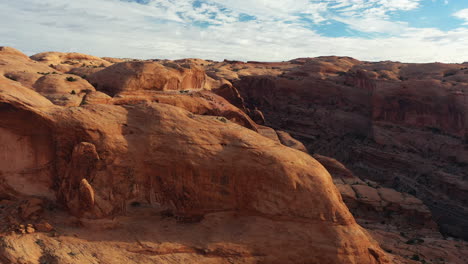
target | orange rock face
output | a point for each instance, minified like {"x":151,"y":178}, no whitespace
{"x":133,"y":76}
{"x":401,"y":125}
{"x":157,"y":176}
{"x":64,"y":62}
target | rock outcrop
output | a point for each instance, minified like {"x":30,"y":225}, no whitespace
{"x":128,"y":161}
{"x":144,"y":75}
{"x":401,"y":125}
{"x":369,"y":201}
{"x":65,"y":62}
{"x":139,"y":171}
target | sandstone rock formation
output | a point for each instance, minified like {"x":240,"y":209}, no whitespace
{"x":401,"y":223}
{"x":162,"y":179}
{"x":65,"y":62}
{"x":16,"y":66}
{"x":105,"y":160}
{"x":132,"y":76}
{"x":401,"y":125}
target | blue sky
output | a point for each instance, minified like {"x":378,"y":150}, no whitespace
{"x":268,"y":30}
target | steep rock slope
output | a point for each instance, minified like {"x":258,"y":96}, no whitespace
{"x":402,"y":125}
{"x":401,"y":223}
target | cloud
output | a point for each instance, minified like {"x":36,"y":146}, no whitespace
{"x":462,"y":14}
{"x":217,"y":29}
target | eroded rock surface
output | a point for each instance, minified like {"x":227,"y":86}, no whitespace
{"x":401,"y":125}
{"x":127,"y":180}
{"x":195,"y":161}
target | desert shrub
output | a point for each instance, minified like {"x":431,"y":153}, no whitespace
{"x":415,"y":241}
{"x":13,"y":78}
{"x":43,"y":73}
{"x":171,"y":65}
{"x":435,"y":130}
{"x":135,"y":204}
{"x":71,"y":79}
{"x":341,"y":73}
{"x":449,"y":73}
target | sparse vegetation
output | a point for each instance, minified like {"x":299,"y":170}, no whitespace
{"x":449,"y":73}
{"x":13,"y":78}
{"x":415,"y":241}
{"x":384,"y":76}
{"x":40,"y":242}
{"x":71,"y":79}
{"x":171,"y":65}
{"x":46,"y":73}
{"x":341,"y":73}
{"x":135,"y":204}
{"x":435,"y":130}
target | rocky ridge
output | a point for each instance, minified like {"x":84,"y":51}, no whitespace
{"x":151,"y":173}
{"x":125,"y":161}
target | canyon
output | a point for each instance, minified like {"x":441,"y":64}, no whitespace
{"x":313,"y":160}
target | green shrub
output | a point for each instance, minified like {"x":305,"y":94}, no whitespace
{"x":71,"y":79}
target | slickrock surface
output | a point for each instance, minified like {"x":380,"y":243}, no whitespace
{"x":141,"y":75}
{"x":401,"y":125}
{"x":65,"y":62}
{"x":146,"y":175}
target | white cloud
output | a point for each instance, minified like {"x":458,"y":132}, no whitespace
{"x":168,"y":29}
{"x":462,"y":14}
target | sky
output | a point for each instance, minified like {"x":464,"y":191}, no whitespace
{"x":264,"y":30}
